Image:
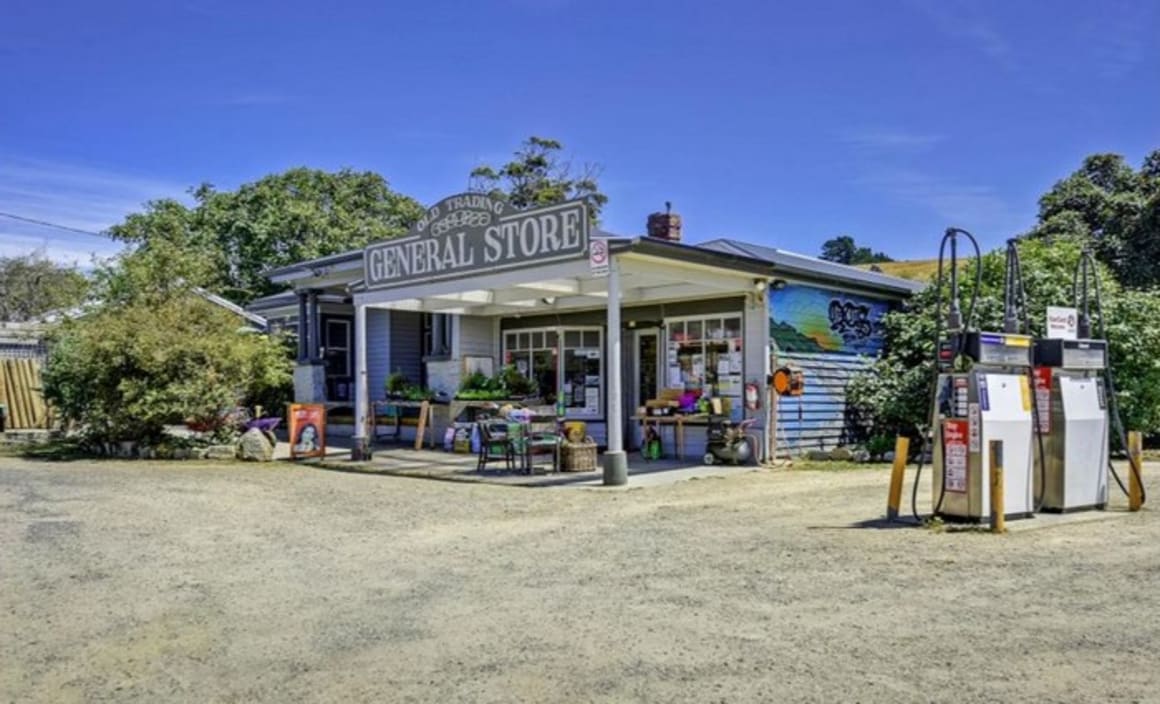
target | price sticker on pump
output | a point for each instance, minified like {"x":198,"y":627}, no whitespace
{"x":955,"y":434}
{"x":973,"y":427}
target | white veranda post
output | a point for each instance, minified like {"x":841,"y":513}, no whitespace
{"x":361,"y":389}
{"x":615,"y":460}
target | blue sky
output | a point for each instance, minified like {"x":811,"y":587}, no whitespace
{"x":775,"y":122}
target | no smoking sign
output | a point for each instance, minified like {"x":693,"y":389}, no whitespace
{"x":598,"y":257}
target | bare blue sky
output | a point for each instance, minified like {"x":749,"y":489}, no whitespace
{"x":780,"y":123}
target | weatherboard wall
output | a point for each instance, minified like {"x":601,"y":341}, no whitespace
{"x":831,"y":336}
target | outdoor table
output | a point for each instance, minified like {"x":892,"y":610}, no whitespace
{"x":398,"y":406}
{"x":677,"y":421}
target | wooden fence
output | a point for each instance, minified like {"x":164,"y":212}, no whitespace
{"x":22,"y":395}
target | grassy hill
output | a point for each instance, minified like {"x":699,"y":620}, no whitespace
{"x":916,"y":270}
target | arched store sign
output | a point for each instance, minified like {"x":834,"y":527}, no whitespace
{"x":470,"y":233}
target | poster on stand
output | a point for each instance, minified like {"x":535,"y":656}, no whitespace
{"x":307,"y":430}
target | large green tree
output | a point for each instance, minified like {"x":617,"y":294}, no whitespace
{"x":538,"y":176}
{"x":32,"y":285}
{"x":1114,"y":206}
{"x":844,"y":250}
{"x":278,"y":220}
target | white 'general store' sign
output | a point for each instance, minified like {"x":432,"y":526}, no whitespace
{"x":470,"y":233}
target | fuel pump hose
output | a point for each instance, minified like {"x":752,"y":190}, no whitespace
{"x":1087,"y":264}
{"x":1017,"y":279}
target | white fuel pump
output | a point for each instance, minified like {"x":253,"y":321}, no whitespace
{"x":1081,"y":413}
{"x":981,"y":393}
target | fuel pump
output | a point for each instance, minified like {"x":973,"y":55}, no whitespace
{"x":1076,"y":377}
{"x":988,"y":400}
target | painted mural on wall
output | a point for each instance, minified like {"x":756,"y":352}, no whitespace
{"x":810,"y":319}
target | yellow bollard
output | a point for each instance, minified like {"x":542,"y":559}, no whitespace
{"x":901,"y":450}
{"x":998,"y":513}
{"x":1135,"y":469}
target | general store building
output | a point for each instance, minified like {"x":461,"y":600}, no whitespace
{"x":604,"y":322}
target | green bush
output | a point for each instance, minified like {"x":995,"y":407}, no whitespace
{"x":123,"y":372}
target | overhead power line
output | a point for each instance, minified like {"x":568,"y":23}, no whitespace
{"x":45,"y":223}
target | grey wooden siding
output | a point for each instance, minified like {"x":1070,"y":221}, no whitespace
{"x":406,"y":344}
{"x":475,"y":337}
{"x":378,"y":351}
{"x":822,"y":424}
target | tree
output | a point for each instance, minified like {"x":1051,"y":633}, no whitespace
{"x":32,"y":285}
{"x":1114,"y":207}
{"x":278,"y":220}
{"x":843,"y":250}
{"x":893,"y":396}
{"x":125,"y":371}
{"x":537,"y":176}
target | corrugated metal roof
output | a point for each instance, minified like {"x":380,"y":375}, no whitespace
{"x":812,"y":267}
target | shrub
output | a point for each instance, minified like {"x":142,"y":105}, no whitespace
{"x":124,"y":372}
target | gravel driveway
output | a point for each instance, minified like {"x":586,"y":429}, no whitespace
{"x":134,"y":582}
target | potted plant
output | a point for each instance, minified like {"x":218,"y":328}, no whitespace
{"x":516,"y":384}
{"x":397,"y":384}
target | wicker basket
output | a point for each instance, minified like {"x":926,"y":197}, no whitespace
{"x":578,"y":456}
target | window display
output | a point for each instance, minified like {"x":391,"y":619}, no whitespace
{"x":704,"y":354}
{"x":573,"y":370}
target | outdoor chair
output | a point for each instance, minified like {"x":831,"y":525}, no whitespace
{"x":494,"y":444}
{"x":529,"y":442}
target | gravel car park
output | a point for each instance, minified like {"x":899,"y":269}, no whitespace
{"x":147,"y":582}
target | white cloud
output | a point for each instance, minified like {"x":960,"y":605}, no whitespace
{"x":963,"y":21}
{"x":972,"y":206}
{"x":80,"y":197}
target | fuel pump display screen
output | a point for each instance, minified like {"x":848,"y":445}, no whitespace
{"x":1080,"y":357}
{"x":1000,"y":350}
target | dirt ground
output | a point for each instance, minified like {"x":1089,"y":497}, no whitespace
{"x":137,"y":582}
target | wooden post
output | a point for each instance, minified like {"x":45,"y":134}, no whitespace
{"x":901,"y":451}
{"x":1135,"y":469}
{"x":424,"y":411}
{"x":998,"y":510}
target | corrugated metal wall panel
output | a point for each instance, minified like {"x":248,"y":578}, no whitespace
{"x":378,"y":351}
{"x":817,"y":419}
{"x":406,"y":344}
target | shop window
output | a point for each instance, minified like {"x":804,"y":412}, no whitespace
{"x":534,"y":354}
{"x":583,"y":374}
{"x":572,"y":371}
{"x":704,"y":354}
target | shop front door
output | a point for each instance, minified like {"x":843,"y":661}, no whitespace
{"x":646,"y":363}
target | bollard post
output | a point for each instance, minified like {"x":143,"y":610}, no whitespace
{"x":1135,"y":469}
{"x":998,"y":510}
{"x":901,"y":450}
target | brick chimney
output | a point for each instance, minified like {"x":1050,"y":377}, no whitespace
{"x":666,"y":225}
